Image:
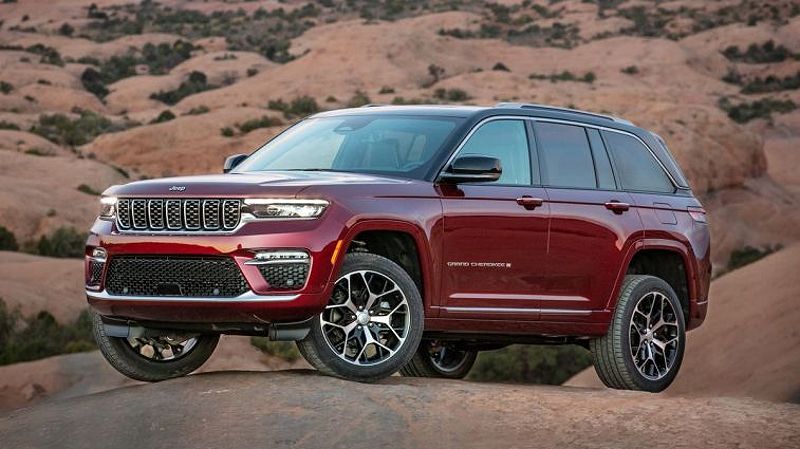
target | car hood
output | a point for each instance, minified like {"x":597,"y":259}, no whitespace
{"x":273,"y":183}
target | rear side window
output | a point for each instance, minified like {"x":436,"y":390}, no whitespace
{"x":636,"y":166}
{"x":507,"y":141}
{"x":565,"y":156}
{"x":605,"y":175}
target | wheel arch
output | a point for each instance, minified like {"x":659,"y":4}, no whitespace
{"x":404,"y":243}
{"x":665,"y":259}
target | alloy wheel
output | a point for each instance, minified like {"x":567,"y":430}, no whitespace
{"x":367,"y":320}
{"x":654,"y":335}
{"x":162,"y":349}
{"x":445,"y":356}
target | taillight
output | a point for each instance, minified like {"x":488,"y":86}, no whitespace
{"x":698,"y":214}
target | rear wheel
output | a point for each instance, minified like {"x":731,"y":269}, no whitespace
{"x":644,"y":346}
{"x":152,"y":359}
{"x":372,"y":324}
{"x":444,"y":359}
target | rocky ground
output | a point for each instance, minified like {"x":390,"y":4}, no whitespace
{"x":300,"y":409}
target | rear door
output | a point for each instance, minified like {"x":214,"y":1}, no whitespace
{"x":591,"y":221}
{"x":495,"y":234}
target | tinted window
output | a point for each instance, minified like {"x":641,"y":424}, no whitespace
{"x":636,"y":166}
{"x":506,"y":140}
{"x":605,"y":176}
{"x":565,"y":156}
{"x":397,"y":145}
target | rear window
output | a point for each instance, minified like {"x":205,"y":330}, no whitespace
{"x":636,"y":166}
{"x":565,"y":156}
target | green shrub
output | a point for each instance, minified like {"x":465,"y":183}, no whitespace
{"x":758,"y":54}
{"x":386,"y":90}
{"x":531,"y":364}
{"x":8,"y":242}
{"x":744,"y":112}
{"x":500,"y":67}
{"x":6,"y":87}
{"x":165,"y":116}
{"x":263,"y":122}
{"x":47,"y":55}
{"x":83,"y":188}
{"x":39,"y":336}
{"x":566,"y":75}
{"x":8,"y":125}
{"x":286,"y":350}
{"x":64,"y":242}
{"x":195,"y":83}
{"x":227,"y":131}
{"x":771,"y":83}
{"x":749,"y":254}
{"x":93,"y":82}
{"x":198,"y":110}
{"x":300,"y":106}
{"x":35,"y":151}
{"x":358,"y":99}
{"x":451,"y":94}
{"x":631,"y":70}
{"x":66,"y":29}
{"x":62,"y":130}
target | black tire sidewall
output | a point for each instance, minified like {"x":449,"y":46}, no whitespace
{"x":423,"y":364}
{"x":646,"y":286}
{"x":366,"y":261}
{"x":124,"y":358}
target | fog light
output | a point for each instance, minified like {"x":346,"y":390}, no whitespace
{"x":272,"y":257}
{"x":282,"y":270}
{"x":99,"y":254}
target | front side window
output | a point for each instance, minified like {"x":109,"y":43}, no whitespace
{"x":507,"y":141}
{"x":636,"y":166}
{"x":565,"y":156}
{"x":379,"y":144}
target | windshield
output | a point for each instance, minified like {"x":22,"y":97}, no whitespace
{"x":380,"y":144}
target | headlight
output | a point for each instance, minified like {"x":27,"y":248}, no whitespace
{"x":108,"y":207}
{"x":285,"y":208}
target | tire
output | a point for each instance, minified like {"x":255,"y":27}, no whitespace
{"x":344,"y":326}
{"x":431,"y":360}
{"x":125,"y":359}
{"x":636,"y":353}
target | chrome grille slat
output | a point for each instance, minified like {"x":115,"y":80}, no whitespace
{"x":211,"y":214}
{"x":155,"y":211}
{"x":169,"y":214}
{"x":174,"y":214}
{"x":139,"y":214}
{"x":191,"y":214}
{"x":124,"y":213}
{"x":231,"y":213}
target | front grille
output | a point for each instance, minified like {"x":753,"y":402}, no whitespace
{"x":175,"y":276}
{"x":285,"y":276}
{"x":141,"y":214}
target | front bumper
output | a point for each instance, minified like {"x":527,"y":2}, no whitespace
{"x":261,"y":303}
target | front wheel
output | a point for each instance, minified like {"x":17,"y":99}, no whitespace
{"x":443,"y":359}
{"x":372,"y":324}
{"x":153,"y":359}
{"x":644,"y":345}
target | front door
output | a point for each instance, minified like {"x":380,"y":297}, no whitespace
{"x":495,"y":234}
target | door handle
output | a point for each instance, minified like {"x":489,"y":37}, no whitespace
{"x":529,"y":202}
{"x":617,"y":207}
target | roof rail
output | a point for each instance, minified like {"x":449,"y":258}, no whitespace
{"x":372,"y":105}
{"x":558,"y":109}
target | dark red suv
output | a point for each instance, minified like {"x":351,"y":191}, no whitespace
{"x":410,"y":238}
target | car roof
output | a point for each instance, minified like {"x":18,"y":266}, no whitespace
{"x":526,"y":109}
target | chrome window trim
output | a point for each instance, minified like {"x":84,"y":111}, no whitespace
{"x":618,"y":131}
{"x":248,"y":296}
{"x":561,"y":121}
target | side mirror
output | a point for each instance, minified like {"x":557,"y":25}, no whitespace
{"x":232,"y":161}
{"x":473,"y":168}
